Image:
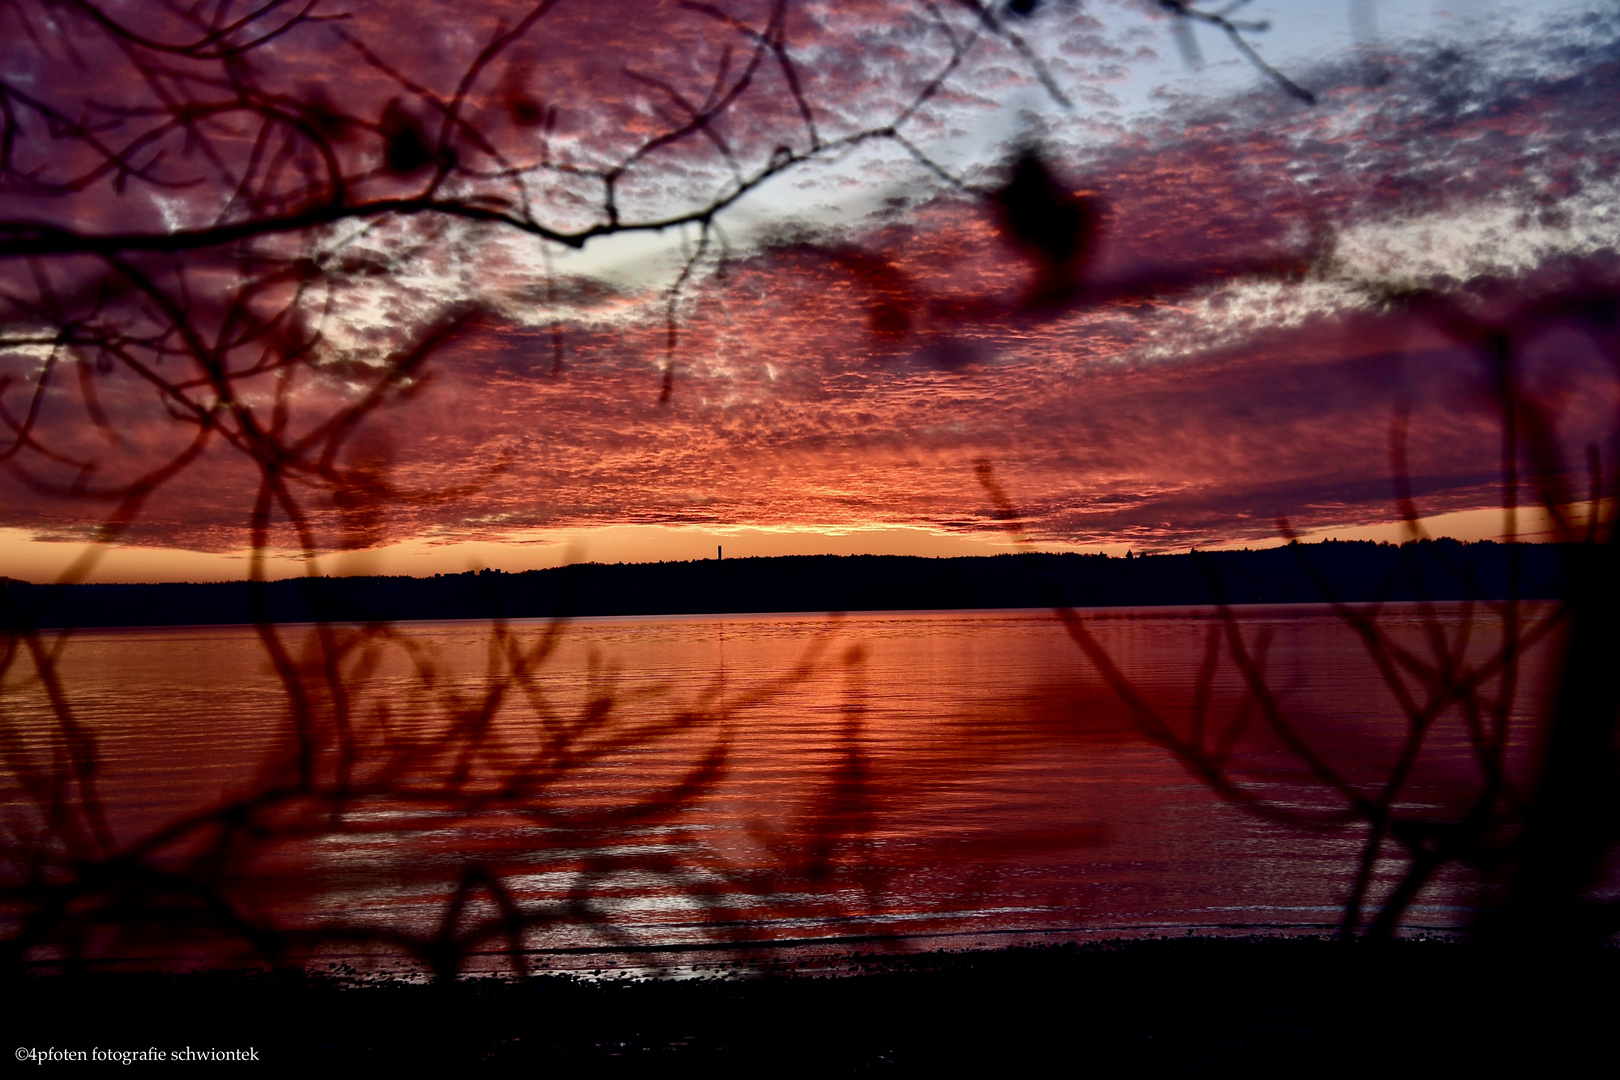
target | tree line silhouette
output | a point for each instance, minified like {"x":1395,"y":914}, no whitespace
{"x":1348,"y":571}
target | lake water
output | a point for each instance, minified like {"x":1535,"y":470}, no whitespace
{"x":646,"y":792}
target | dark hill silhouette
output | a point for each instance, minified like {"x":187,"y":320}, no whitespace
{"x":1354,"y":571}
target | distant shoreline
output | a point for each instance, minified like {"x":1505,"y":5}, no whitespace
{"x":1348,"y":571}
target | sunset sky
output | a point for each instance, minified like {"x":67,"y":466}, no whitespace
{"x":860,"y":335}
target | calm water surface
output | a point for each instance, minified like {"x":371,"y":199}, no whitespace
{"x":612,"y":789}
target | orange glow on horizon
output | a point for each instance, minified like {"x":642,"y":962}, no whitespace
{"x":42,"y":561}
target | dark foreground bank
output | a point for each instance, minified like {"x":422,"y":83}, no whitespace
{"x":1353,"y":571}
{"x":1307,"y":1007}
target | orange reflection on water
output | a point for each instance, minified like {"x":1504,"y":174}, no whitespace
{"x":449,"y":792}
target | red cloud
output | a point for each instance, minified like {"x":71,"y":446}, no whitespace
{"x":836,"y":379}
